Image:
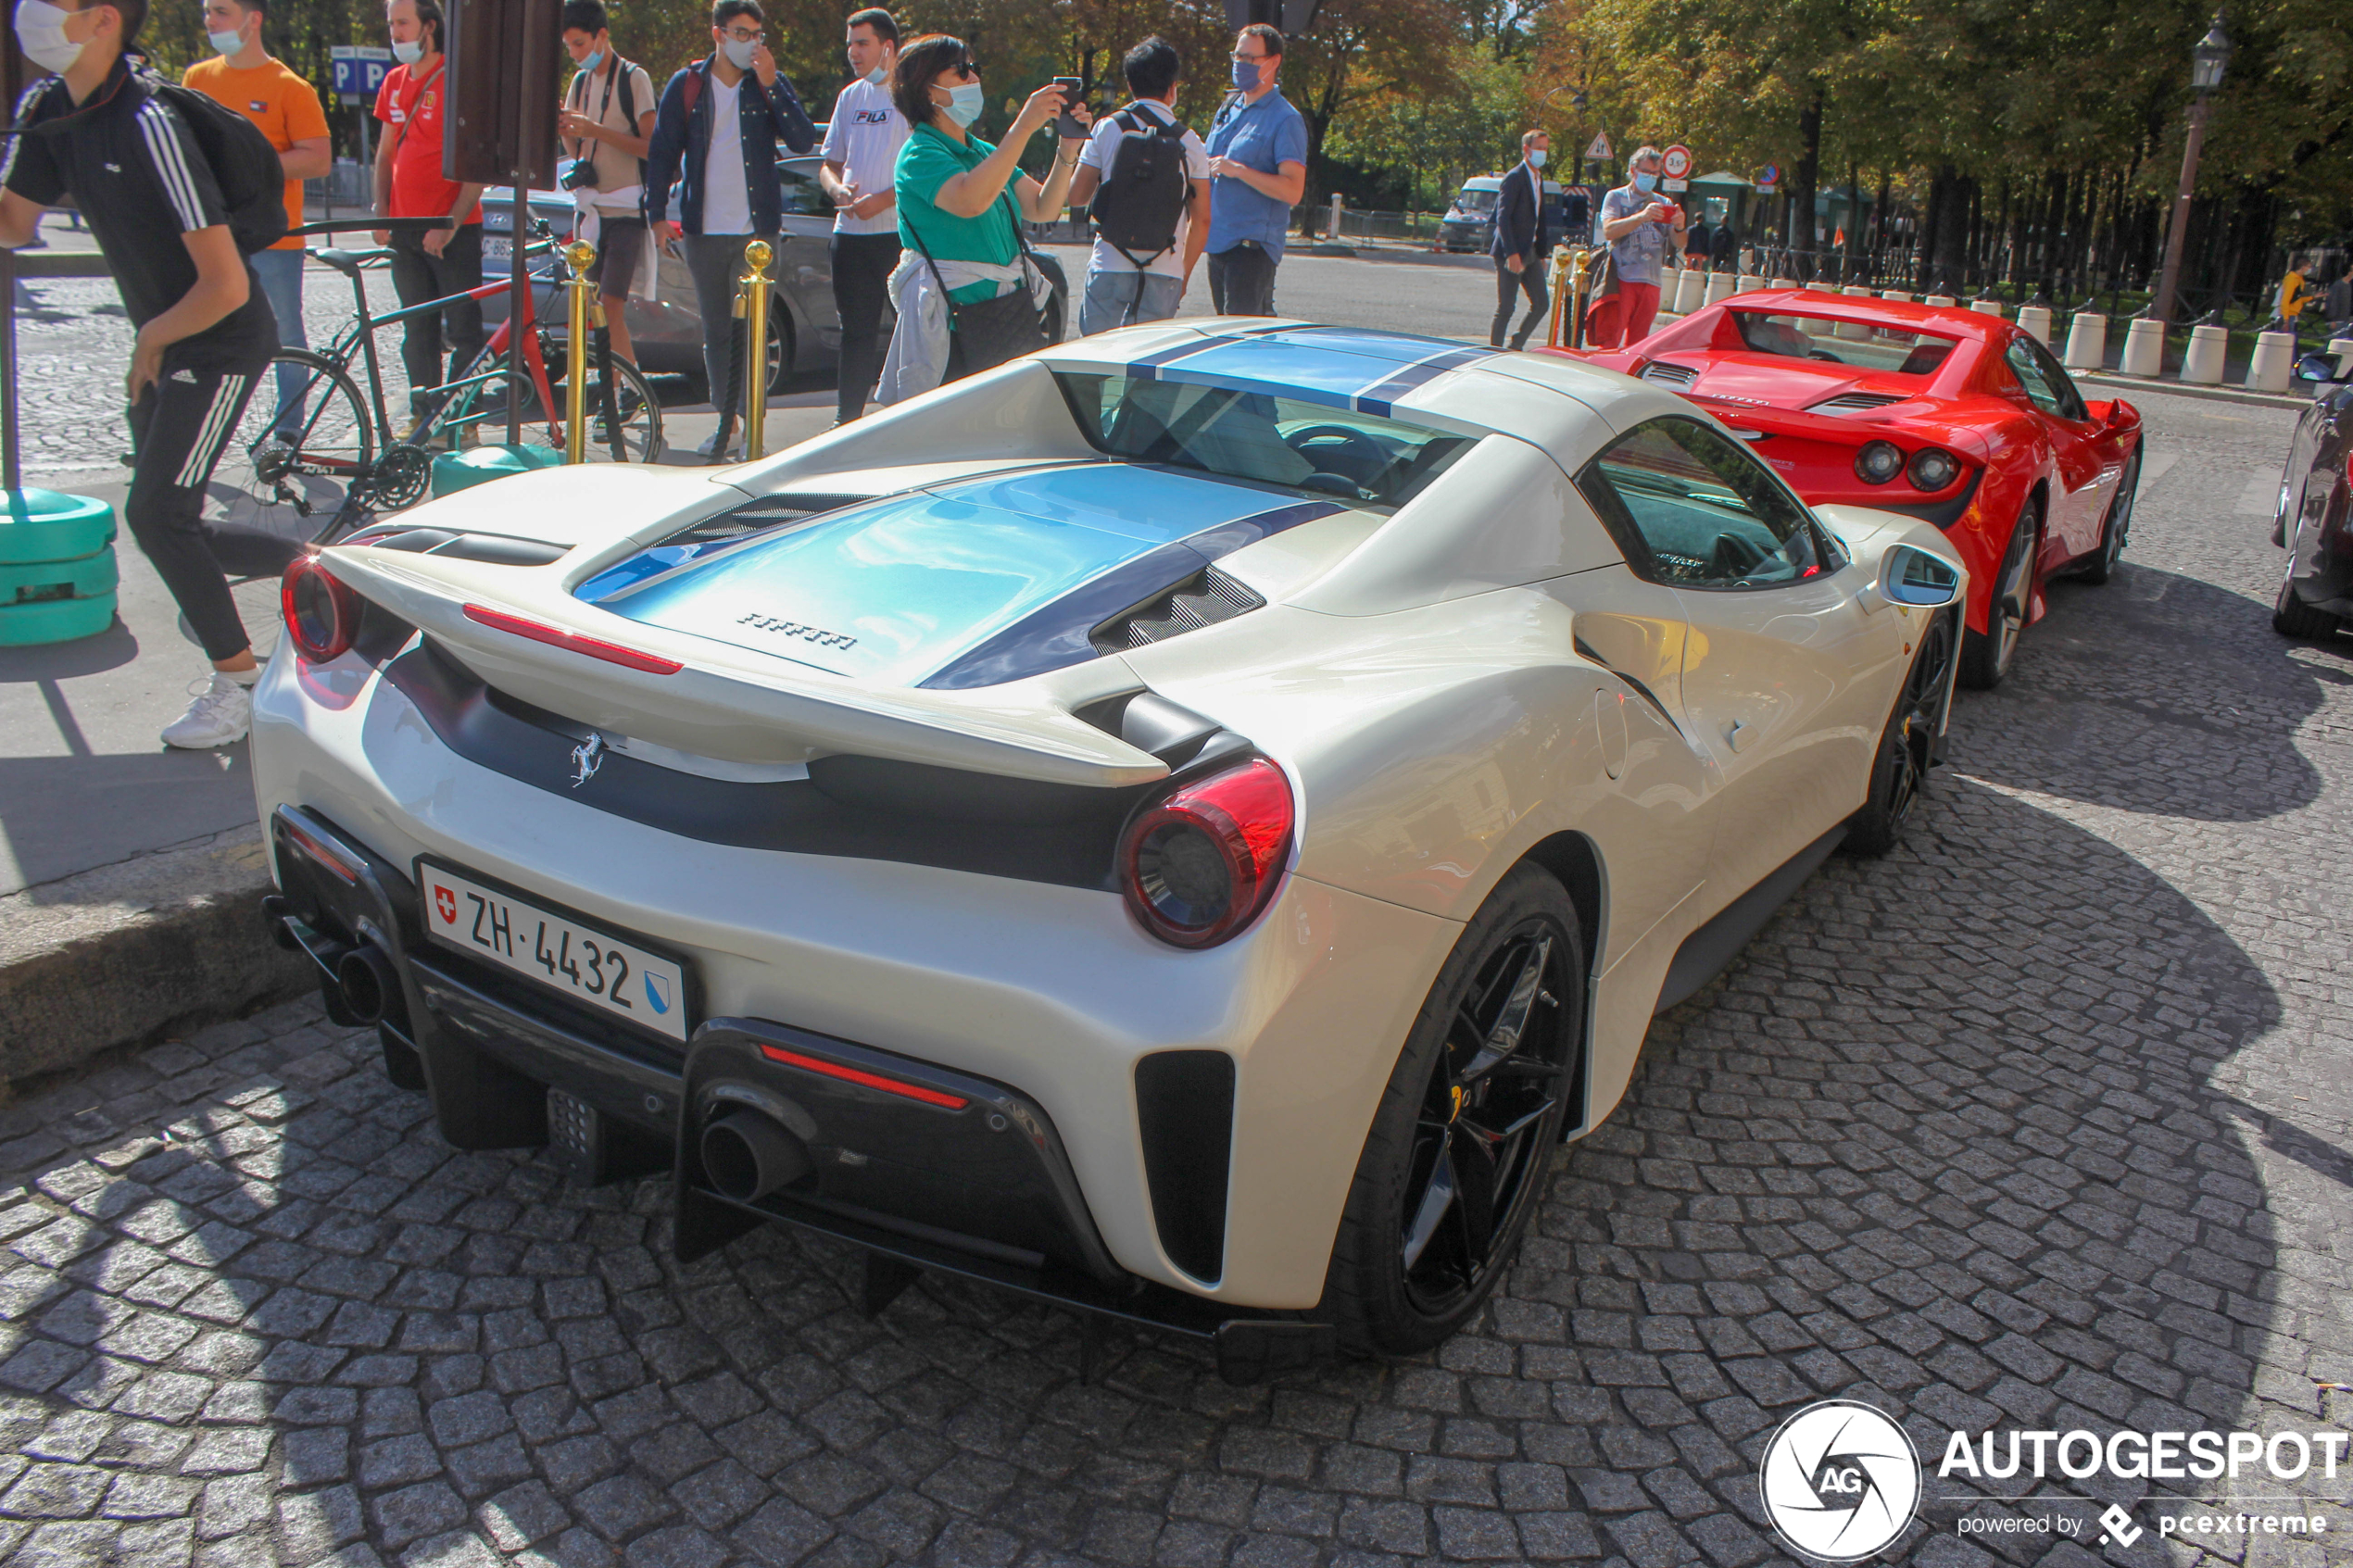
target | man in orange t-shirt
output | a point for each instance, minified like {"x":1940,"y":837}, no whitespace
{"x":256,"y":84}
{"x":439,"y":262}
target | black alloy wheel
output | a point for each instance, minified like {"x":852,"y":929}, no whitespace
{"x":1906,"y":749}
{"x":1986,"y":656}
{"x":2116,"y":527}
{"x":1456,"y":1162}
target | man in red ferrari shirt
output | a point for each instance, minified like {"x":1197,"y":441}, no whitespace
{"x":439,"y":262}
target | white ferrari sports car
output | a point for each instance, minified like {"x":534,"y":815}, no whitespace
{"x":1180,"y":824}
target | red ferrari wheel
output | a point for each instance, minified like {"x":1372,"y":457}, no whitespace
{"x":2116,"y":527}
{"x":1986,"y":656}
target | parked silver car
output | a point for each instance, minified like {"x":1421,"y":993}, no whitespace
{"x":666,"y":330}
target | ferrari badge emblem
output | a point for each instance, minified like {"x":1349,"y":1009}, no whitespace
{"x":586,"y":758}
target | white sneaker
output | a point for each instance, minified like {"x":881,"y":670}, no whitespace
{"x":710,"y":448}
{"x":220,"y":716}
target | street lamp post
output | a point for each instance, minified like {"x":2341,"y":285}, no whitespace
{"x":2206,"y":61}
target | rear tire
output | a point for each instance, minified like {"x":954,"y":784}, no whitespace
{"x":295,"y":488}
{"x":2116,"y":527}
{"x":1986,"y":656}
{"x":1461,"y":1144}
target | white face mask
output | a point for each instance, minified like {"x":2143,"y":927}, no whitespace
{"x":879,"y":75}
{"x":40,"y":29}
{"x":225,"y":43}
{"x":966,"y":101}
{"x":411,"y":52}
{"x":740,"y":53}
{"x":1536,"y":158}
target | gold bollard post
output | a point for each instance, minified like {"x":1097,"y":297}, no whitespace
{"x":579,"y":255}
{"x":757,"y":255}
{"x":1560,"y":266}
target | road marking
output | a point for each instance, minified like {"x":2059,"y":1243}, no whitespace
{"x":2155,"y":467}
{"x":2260,"y":498}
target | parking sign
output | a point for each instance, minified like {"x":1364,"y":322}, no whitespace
{"x":359,"y":72}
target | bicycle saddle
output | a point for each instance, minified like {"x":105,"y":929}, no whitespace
{"x":349,"y":261}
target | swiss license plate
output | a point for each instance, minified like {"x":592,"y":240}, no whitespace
{"x":585,"y":962}
{"x":498,"y":248}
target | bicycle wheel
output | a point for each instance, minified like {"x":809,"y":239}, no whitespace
{"x":302,"y":444}
{"x":624,"y":417}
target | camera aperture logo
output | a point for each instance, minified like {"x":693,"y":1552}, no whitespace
{"x":1841,"y":1481}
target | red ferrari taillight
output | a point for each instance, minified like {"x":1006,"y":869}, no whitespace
{"x":1200,"y":864}
{"x":321,"y":612}
{"x":572,"y":642}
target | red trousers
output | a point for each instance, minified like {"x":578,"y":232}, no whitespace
{"x":1624,"y":318}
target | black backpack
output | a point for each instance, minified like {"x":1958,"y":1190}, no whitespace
{"x":243,"y":164}
{"x":246,"y":167}
{"x":1143,"y":192}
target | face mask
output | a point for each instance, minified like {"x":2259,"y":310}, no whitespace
{"x":41,"y":29}
{"x":225,"y":43}
{"x":1646,"y":183}
{"x":879,"y":75}
{"x":965,"y":100}
{"x":1536,"y":159}
{"x":740,"y":53}
{"x":592,"y":62}
{"x":411,"y":52}
{"x":1246,"y":73}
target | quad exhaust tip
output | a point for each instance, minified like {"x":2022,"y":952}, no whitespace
{"x":364,"y":977}
{"x":747,"y":1155}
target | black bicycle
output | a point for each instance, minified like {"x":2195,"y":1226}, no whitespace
{"x":318,"y":447}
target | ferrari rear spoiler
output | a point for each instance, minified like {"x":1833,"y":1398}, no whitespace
{"x":1837,"y":429}
{"x":522,"y":632}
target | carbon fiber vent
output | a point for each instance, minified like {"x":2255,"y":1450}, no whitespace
{"x":753,"y":517}
{"x":1204,"y":599}
{"x":1854,"y":402}
{"x":1668,"y":375}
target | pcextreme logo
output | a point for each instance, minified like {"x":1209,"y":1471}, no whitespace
{"x":1841,"y":1481}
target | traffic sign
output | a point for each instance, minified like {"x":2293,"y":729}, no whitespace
{"x":1600,"y":149}
{"x":1768,"y":177}
{"x":359,"y":70}
{"x":1676,"y":162}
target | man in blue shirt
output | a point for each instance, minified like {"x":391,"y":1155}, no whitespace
{"x":1257,"y":173}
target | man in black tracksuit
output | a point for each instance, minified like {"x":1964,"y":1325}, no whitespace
{"x":95,"y":132}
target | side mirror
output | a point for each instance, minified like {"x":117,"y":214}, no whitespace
{"x":1911,"y":576}
{"x":2317,"y":367}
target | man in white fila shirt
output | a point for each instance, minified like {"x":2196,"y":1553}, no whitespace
{"x":860,"y":156}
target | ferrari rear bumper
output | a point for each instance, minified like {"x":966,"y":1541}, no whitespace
{"x":869,"y":1140}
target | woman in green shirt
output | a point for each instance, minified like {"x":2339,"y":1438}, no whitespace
{"x":960,"y":202}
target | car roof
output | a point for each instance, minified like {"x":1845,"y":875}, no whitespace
{"x":1947,"y":321}
{"x":1440,"y":382}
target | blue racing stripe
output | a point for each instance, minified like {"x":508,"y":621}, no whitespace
{"x":1147,"y":367}
{"x":1378,"y":398}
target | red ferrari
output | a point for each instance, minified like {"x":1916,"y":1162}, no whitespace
{"x":1945,"y":414}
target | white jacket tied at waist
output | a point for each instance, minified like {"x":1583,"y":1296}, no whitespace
{"x":918,"y":356}
{"x":593,"y":207}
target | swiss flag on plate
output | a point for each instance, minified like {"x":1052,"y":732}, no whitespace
{"x":446,"y":902}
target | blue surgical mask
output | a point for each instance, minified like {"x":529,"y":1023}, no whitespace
{"x":1536,"y":159}
{"x":965,"y":100}
{"x":224,"y":43}
{"x":1246,"y":73}
{"x":409,"y":54}
{"x":588,"y":66}
{"x":1646,"y":183}
{"x":740,"y":52}
{"x":879,"y":75}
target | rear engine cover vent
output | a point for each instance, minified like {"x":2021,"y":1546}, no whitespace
{"x":1854,"y":402}
{"x":1669,"y":375}
{"x":753,"y":517}
{"x":1204,"y":599}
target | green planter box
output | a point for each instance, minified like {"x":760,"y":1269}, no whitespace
{"x":55,"y":621}
{"x":42,"y":525}
{"x":453,"y":472}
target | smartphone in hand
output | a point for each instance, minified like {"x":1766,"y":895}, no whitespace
{"x":1073,"y":88}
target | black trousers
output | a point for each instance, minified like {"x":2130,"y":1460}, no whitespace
{"x":1241,"y":281}
{"x":455,"y":330}
{"x":1508,"y":285}
{"x":863,"y":265}
{"x":178,"y":428}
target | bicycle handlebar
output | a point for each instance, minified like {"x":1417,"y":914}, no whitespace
{"x":370,"y":225}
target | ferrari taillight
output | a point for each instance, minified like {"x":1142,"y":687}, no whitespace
{"x":1198,"y":865}
{"x":321,"y":612}
{"x":1933,"y":468}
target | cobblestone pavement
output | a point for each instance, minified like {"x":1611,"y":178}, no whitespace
{"x":2041,"y":1123}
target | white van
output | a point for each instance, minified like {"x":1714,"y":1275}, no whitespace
{"x":1469,"y":223}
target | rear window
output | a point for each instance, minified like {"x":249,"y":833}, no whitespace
{"x":1235,"y":434}
{"x":1817,"y":337}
